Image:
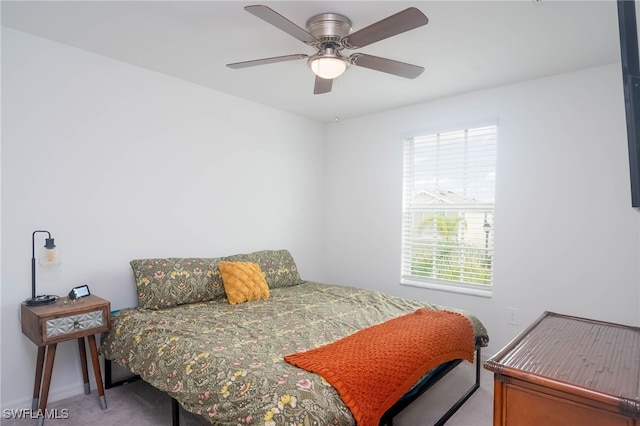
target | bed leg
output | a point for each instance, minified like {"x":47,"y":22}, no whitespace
{"x":464,"y":397}
{"x":478,"y":367}
{"x":175,"y":412}
{"x":108,"y":376}
{"x":108,"y":383}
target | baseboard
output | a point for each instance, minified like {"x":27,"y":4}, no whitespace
{"x":55,"y":394}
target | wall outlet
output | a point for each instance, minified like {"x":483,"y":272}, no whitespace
{"x":513,"y":317}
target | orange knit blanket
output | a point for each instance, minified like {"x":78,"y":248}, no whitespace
{"x":374,"y":367}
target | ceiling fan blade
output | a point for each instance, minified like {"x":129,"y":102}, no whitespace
{"x":265,"y":61}
{"x":322,"y":85}
{"x":274,"y":18}
{"x":396,"y":24}
{"x":400,"y":69}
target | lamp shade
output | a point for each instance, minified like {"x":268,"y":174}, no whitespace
{"x":327,"y":67}
{"x":49,"y":255}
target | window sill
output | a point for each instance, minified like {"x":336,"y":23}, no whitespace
{"x":450,"y":288}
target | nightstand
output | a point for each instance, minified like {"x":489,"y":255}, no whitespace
{"x":65,"y":320}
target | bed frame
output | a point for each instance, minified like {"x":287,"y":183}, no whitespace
{"x":387,"y":418}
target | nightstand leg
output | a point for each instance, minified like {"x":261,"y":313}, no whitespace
{"x":38,"y":381}
{"x":83,"y":362}
{"x":48,"y":370}
{"x":96,"y":370}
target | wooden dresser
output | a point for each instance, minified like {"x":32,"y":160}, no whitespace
{"x":568,"y":371}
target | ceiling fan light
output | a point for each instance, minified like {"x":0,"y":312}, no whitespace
{"x":328,"y":67}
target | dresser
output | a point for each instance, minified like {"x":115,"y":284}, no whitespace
{"x":65,"y":320}
{"x":568,"y":371}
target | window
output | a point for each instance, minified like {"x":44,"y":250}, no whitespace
{"x":448,"y":209}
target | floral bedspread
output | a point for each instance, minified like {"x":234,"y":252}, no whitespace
{"x":225,"y":362}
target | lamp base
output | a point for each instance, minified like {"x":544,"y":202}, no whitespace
{"x":45,"y":299}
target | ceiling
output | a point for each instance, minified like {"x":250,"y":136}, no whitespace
{"x":467,"y":45}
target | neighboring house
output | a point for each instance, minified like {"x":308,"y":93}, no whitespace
{"x":452,"y":239}
{"x":472,"y":227}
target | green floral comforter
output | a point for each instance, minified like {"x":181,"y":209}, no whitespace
{"x":225,"y":362}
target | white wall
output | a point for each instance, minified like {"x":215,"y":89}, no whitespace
{"x":566,"y":238}
{"x":118,"y":163}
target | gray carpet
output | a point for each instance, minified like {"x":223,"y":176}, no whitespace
{"x":139,"y":404}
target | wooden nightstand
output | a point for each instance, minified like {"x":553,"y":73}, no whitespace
{"x":64,"y":320}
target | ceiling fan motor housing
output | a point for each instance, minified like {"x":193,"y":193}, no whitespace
{"x":329,"y":27}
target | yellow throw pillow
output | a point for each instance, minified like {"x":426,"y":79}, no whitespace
{"x":243,"y":281}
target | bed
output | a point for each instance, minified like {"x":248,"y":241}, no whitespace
{"x":225,"y":361}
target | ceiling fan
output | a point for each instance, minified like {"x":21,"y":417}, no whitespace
{"x":330,"y":33}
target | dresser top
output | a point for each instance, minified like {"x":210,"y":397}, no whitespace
{"x":590,"y":354}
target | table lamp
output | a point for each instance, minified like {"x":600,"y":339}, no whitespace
{"x":48,"y":256}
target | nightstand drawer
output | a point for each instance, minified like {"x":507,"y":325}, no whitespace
{"x":74,"y":323}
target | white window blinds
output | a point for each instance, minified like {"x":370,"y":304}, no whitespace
{"x":448,"y":207}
